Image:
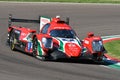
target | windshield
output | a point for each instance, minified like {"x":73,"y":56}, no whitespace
{"x":62,"y":33}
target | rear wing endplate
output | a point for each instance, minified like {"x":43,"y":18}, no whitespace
{"x":44,"y":20}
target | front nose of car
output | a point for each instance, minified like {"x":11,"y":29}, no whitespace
{"x":72,"y":50}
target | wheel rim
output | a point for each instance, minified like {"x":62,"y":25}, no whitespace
{"x":12,"y":45}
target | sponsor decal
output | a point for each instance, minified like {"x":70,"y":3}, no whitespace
{"x":16,"y":31}
{"x":69,"y":40}
{"x":86,"y":41}
{"x":63,"y":41}
{"x":43,"y":21}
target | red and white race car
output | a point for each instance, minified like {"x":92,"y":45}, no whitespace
{"x":55,"y":40}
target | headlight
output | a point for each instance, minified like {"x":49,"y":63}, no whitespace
{"x":44,"y":40}
{"x":100,"y":42}
{"x":47,"y":42}
{"x":97,"y":46}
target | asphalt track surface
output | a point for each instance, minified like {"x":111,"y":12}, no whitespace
{"x":101,"y":19}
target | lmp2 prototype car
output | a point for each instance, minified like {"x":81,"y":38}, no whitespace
{"x":55,"y":40}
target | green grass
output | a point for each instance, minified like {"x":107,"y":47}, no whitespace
{"x":76,"y":1}
{"x":113,"y":48}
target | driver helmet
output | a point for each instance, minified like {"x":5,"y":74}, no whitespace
{"x":57,"y":18}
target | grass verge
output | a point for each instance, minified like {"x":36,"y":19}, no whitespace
{"x":75,"y":1}
{"x":113,"y":48}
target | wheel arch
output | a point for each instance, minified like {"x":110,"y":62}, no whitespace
{"x":36,"y":36}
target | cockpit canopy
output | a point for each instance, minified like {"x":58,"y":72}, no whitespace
{"x":63,"y":33}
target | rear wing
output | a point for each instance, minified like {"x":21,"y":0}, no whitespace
{"x":11,"y":19}
{"x":42,"y":20}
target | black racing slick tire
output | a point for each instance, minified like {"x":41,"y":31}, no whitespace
{"x":35,"y":47}
{"x":12,"y":42}
{"x":56,"y":55}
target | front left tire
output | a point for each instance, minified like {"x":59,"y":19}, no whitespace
{"x":35,"y":52}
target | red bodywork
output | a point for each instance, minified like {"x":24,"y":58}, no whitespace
{"x":88,"y":43}
{"x":23,"y":38}
{"x":69,"y":48}
{"x":72,"y":49}
{"x":23,"y":32}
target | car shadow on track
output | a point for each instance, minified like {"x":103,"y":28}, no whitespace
{"x":86,"y":61}
{"x":78,"y":61}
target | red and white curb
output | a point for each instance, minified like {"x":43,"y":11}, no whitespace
{"x":110,"y":38}
{"x":109,"y":58}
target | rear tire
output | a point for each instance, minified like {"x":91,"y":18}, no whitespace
{"x":12,"y":42}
